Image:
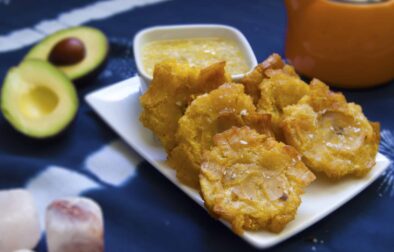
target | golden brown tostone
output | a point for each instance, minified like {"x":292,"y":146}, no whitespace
{"x":206,"y":116}
{"x":333,"y":136}
{"x":252,"y":181}
{"x":173,"y":87}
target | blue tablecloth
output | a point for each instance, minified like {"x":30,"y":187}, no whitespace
{"x":143,"y":211}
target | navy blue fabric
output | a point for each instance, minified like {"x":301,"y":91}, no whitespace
{"x":148,"y":213}
{"x":19,"y":14}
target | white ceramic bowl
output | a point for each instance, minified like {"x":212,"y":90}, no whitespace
{"x":190,"y":31}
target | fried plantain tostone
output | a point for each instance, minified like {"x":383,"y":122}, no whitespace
{"x":253,"y":79}
{"x":252,"y":181}
{"x":173,"y":87}
{"x":333,"y":136}
{"x":279,"y":90}
{"x":206,"y":116}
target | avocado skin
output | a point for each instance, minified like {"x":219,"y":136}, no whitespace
{"x":17,"y":135}
{"x":91,"y":76}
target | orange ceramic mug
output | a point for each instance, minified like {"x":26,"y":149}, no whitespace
{"x":345,"y":43}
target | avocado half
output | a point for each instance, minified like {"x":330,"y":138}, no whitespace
{"x":37,"y":99}
{"x":95,"y":44}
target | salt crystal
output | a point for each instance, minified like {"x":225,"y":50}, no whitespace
{"x":74,"y":224}
{"x":19,"y":223}
{"x":243,"y":112}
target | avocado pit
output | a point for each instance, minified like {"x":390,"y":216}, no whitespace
{"x":68,"y":51}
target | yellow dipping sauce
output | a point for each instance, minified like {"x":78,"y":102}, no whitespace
{"x":200,"y":52}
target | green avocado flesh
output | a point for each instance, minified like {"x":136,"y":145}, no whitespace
{"x":96,"y":46}
{"x":37,"y":99}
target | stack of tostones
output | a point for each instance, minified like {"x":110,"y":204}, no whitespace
{"x":247,"y":147}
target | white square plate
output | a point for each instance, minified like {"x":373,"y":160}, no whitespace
{"x":118,"y":105}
